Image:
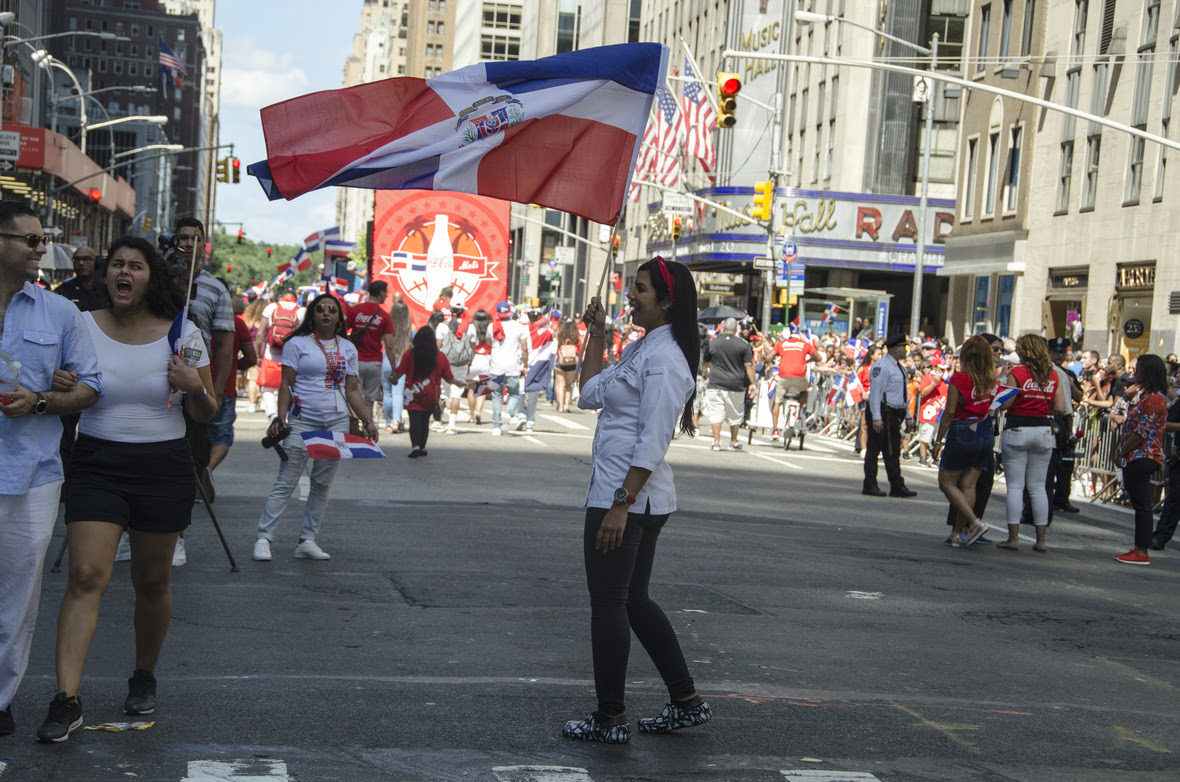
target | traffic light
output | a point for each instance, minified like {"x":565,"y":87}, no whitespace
{"x":269,"y":250}
{"x":241,"y":237}
{"x":223,"y":170}
{"x":614,"y":249}
{"x":728,"y":86}
{"x":229,"y":267}
{"x":763,"y":200}
{"x":147,"y":224}
{"x":237,"y":166}
{"x":676,"y":228}
{"x":95,"y":195}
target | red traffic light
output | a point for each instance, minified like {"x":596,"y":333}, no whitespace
{"x":675,"y":221}
{"x":730,"y":85}
{"x":229,"y":268}
{"x":95,"y":195}
{"x":269,"y":251}
{"x":237,"y":163}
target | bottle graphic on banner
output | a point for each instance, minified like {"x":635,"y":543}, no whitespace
{"x":440,"y":259}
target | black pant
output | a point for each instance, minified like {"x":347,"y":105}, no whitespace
{"x":983,"y":493}
{"x":419,"y":428}
{"x":887,"y":442}
{"x":1137,"y":482}
{"x":1170,"y":513}
{"x":619,"y":604}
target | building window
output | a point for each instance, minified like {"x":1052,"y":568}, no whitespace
{"x":1093,"y":152}
{"x":968,"y":195}
{"x":401,"y":70}
{"x":499,"y":47}
{"x":831,"y":149}
{"x":803,"y":111}
{"x":834,"y":96}
{"x":1134,"y":171}
{"x":1106,"y":33}
{"x":1079,"y":28}
{"x":982,"y":302}
{"x":1065,"y":178}
{"x":150,"y":31}
{"x":438,"y":51}
{"x":567,"y":28}
{"x":985,"y":22}
{"x":501,"y":16}
{"x":430,"y":50}
{"x":633,"y":20}
{"x":1013,"y":185}
{"x":73,"y":23}
{"x":134,"y":31}
{"x":439,"y":28}
{"x":133,"y":69}
{"x":1151,"y":22}
{"x":1030,"y":12}
{"x":102,"y":66}
{"x":1005,"y":288}
{"x":430,"y":28}
{"x":993,"y":164}
{"x":1006,"y":31}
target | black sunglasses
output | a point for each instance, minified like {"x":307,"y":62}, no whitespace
{"x":32,"y":240}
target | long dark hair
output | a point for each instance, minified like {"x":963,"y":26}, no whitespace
{"x":425,"y":352}
{"x":481,"y":320}
{"x":682,"y":316}
{"x":164,"y":297}
{"x":1151,"y":374}
{"x":305,"y":328}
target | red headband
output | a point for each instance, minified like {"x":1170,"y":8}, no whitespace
{"x":663,"y":266}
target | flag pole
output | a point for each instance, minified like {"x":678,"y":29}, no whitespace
{"x":697,"y":70}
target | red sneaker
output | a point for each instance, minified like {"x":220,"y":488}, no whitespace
{"x":1133,"y":557}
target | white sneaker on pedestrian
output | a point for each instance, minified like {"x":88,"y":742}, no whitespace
{"x":308,"y":549}
{"x":497,"y":431}
{"x":253,"y":408}
{"x":179,"y":557}
{"x":123,"y":553}
{"x":451,"y":429}
{"x":528,"y":427}
{"x":520,"y":425}
{"x":262,"y":550}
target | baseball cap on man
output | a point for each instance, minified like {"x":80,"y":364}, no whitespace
{"x":503,"y":308}
{"x":929,"y":344}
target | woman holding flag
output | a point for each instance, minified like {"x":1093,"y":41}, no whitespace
{"x":131,"y":469}
{"x":318,"y":388}
{"x":641,"y":401}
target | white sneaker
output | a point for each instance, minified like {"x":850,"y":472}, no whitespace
{"x":178,"y":556}
{"x":253,"y":408}
{"x":123,"y":553}
{"x":262,"y":550}
{"x":497,"y":431}
{"x":309,"y":550}
{"x":451,"y":429}
{"x":528,"y":427}
{"x":520,"y":425}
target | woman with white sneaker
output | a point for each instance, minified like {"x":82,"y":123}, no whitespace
{"x":319,"y":387}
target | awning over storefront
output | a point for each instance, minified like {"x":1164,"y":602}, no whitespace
{"x":994,"y":252}
{"x":44,"y":150}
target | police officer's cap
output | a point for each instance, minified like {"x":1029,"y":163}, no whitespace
{"x":1059,"y":343}
{"x":896,"y":339}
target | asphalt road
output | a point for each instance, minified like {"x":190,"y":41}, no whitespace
{"x":835,"y":636}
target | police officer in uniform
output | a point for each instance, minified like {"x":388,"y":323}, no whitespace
{"x":888,"y":409}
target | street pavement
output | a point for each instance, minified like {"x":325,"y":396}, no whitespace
{"x":834,"y":635}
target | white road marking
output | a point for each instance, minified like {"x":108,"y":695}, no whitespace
{"x":563,"y":422}
{"x":253,"y":770}
{"x":858,"y":595}
{"x":814,"y":775}
{"x":776,"y":461}
{"x":532,"y":439}
{"x":3,"y":766}
{"x":541,"y":774}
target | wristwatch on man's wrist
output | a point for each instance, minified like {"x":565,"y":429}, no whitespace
{"x":42,"y":405}
{"x":624,"y":497}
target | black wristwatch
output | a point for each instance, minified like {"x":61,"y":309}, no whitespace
{"x":624,"y":497}
{"x":41,"y":406}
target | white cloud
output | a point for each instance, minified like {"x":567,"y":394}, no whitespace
{"x":254,"y":77}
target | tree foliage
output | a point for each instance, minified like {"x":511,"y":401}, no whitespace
{"x":245,"y":265}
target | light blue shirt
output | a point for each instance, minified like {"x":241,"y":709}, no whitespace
{"x":45,"y":333}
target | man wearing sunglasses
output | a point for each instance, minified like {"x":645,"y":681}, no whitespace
{"x":80,"y":288}
{"x":43,"y":333}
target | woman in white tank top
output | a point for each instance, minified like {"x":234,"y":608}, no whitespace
{"x":131,"y":468}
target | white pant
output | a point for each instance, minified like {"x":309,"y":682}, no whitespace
{"x":26,"y":525}
{"x":1027,"y":452}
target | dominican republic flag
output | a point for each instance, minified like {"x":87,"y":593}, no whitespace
{"x":338,"y":247}
{"x":562,"y":131}
{"x":830,"y":313}
{"x":486,"y":385}
{"x":856,"y":349}
{"x":340,"y":285}
{"x":259,"y":289}
{"x":318,"y":239}
{"x":836,"y":393}
{"x":283,"y":276}
{"x":301,"y":262}
{"x":337,"y":445}
{"x":854,"y":391}
{"x":699,"y":119}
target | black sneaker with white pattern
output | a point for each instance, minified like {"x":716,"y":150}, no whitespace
{"x":676,"y":716}
{"x":599,"y":727}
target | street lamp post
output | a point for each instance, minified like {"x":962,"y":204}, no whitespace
{"x":46,"y":60}
{"x":808,"y":17}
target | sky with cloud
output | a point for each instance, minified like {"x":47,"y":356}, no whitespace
{"x":273,"y":51}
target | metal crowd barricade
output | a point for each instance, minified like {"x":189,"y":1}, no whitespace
{"x":1096,"y":455}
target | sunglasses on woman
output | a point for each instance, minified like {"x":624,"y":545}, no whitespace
{"x":320,"y":308}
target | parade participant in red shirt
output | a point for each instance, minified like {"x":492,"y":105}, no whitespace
{"x":931,"y":401}
{"x":371,"y":329}
{"x":794,"y":353}
{"x":425,"y":367}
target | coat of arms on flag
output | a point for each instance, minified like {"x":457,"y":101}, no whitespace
{"x":337,"y":445}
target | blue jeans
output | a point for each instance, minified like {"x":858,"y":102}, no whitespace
{"x":322,"y":472}
{"x":392,"y":398}
{"x":512,"y":383}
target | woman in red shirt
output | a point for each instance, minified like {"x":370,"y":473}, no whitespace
{"x":969,"y":430}
{"x":424,"y":367}
{"x":1142,"y":451}
{"x":1028,"y":440}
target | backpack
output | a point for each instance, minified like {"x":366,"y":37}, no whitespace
{"x":457,"y":349}
{"x":286,"y":320}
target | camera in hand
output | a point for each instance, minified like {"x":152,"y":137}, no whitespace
{"x":276,"y":440}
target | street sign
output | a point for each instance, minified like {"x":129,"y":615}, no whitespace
{"x":769,"y":264}
{"x":7,"y":165}
{"x":922,"y":87}
{"x":564,"y":255}
{"x":794,"y":286}
{"x":790,"y":251}
{"x":9,"y":144}
{"x":552,"y":263}
{"x":677,"y":204}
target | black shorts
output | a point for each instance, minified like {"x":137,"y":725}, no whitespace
{"x":147,"y":487}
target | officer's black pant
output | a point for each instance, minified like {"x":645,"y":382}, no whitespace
{"x":888,"y":443}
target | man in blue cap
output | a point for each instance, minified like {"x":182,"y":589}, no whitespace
{"x":888,"y":408}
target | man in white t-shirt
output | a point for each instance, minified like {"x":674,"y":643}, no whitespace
{"x":279,"y":318}
{"x":510,"y":359}
{"x":542,"y":355}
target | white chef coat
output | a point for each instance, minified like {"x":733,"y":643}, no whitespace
{"x":640,"y":399}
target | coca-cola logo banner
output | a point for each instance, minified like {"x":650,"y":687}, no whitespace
{"x":425,"y":241}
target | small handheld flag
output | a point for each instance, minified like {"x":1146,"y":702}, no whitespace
{"x":337,"y":445}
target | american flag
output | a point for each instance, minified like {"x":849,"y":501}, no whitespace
{"x":699,"y":119}
{"x":169,"y":60}
{"x":665,"y":162}
{"x":643,"y":161}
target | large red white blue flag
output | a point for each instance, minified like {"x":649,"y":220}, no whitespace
{"x":562,"y":131}
{"x":337,"y":445}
